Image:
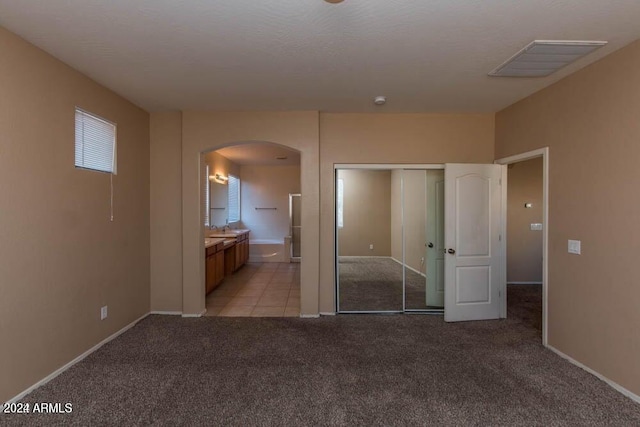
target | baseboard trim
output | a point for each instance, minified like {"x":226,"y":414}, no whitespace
{"x":327,"y":313}
{"x":195,"y":314}
{"x":631,"y":395}
{"x":524,"y":283}
{"x":309,"y":316}
{"x":74,"y":361}
{"x":364,"y":256}
{"x":167,"y":313}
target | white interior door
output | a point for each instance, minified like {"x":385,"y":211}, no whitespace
{"x":472,"y":240}
{"x":435,"y":238}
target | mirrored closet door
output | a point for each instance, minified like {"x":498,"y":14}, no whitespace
{"x":423,"y":223}
{"x":389,"y":240}
{"x":370,"y":280}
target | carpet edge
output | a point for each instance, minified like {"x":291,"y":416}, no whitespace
{"x":628,"y":393}
{"x":74,"y":361}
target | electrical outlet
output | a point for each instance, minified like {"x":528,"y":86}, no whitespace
{"x":536,"y":226}
{"x":371,"y":246}
{"x":103,"y":312}
{"x":574,"y":247}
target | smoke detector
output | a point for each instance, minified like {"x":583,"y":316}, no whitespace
{"x":380,"y":100}
{"x":543,"y":57}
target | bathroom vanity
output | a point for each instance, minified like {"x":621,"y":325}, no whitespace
{"x":225,"y":252}
{"x":214,"y":262}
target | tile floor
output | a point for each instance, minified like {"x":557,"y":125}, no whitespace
{"x":258,"y":290}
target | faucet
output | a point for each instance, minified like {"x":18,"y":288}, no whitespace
{"x":213,"y":227}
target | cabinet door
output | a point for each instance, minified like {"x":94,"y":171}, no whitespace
{"x":238,"y":263}
{"x":229,"y":260}
{"x":246,"y":253}
{"x":210,"y":273}
{"x":219,"y":266}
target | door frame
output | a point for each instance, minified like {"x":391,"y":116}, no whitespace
{"x":505,"y":161}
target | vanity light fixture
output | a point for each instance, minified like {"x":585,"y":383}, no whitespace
{"x":220,"y":178}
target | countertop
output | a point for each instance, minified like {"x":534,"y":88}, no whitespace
{"x":227,"y":233}
{"x":210,"y":241}
{"x":228,"y":236}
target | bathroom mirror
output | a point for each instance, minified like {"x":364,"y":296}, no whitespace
{"x":219,"y":203}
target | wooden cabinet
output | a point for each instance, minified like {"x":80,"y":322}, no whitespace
{"x":230,"y":259}
{"x":223,"y":260}
{"x":242,"y":250}
{"x":214,"y":263}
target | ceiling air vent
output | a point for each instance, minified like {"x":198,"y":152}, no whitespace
{"x":543,"y":57}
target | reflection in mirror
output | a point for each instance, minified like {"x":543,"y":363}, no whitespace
{"x":369,"y":278}
{"x":415,"y":237}
{"x":219,"y":202}
{"x":423,"y":209}
{"x":435,"y":237}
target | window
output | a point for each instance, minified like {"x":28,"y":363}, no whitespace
{"x":234,"y":198}
{"x":207,"y":197}
{"x":95,"y":143}
{"x":340,"y":203}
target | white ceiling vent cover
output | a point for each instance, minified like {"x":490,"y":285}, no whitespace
{"x":543,"y":57}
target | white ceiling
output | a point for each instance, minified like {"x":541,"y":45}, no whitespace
{"x":424,"y":55}
{"x":260,"y":153}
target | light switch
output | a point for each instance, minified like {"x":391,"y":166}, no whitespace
{"x":528,"y":205}
{"x":574,"y":247}
{"x":536,"y":226}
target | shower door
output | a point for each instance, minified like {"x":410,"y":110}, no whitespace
{"x":295,"y":226}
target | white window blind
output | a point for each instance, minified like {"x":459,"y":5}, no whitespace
{"x":234,"y":199}
{"x":207,"y":197}
{"x":95,"y":143}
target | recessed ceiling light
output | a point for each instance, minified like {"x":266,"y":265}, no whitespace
{"x":334,"y":1}
{"x":543,"y":57}
{"x":380,"y":100}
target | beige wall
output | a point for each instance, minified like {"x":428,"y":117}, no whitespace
{"x":166,"y":212}
{"x":62,"y":258}
{"x":267,"y":187}
{"x":589,"y":121}
{"x":391,"y":138}
{"x":366,"y":213}
{"x":323,"y":139}
{"x":524,"y":246}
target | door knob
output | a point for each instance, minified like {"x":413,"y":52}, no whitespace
{"x":452,"y":251}
{"x":430,"y":245}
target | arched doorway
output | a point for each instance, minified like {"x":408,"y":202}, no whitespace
{"x":250,"y":238}
{"x":206,"y":131}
